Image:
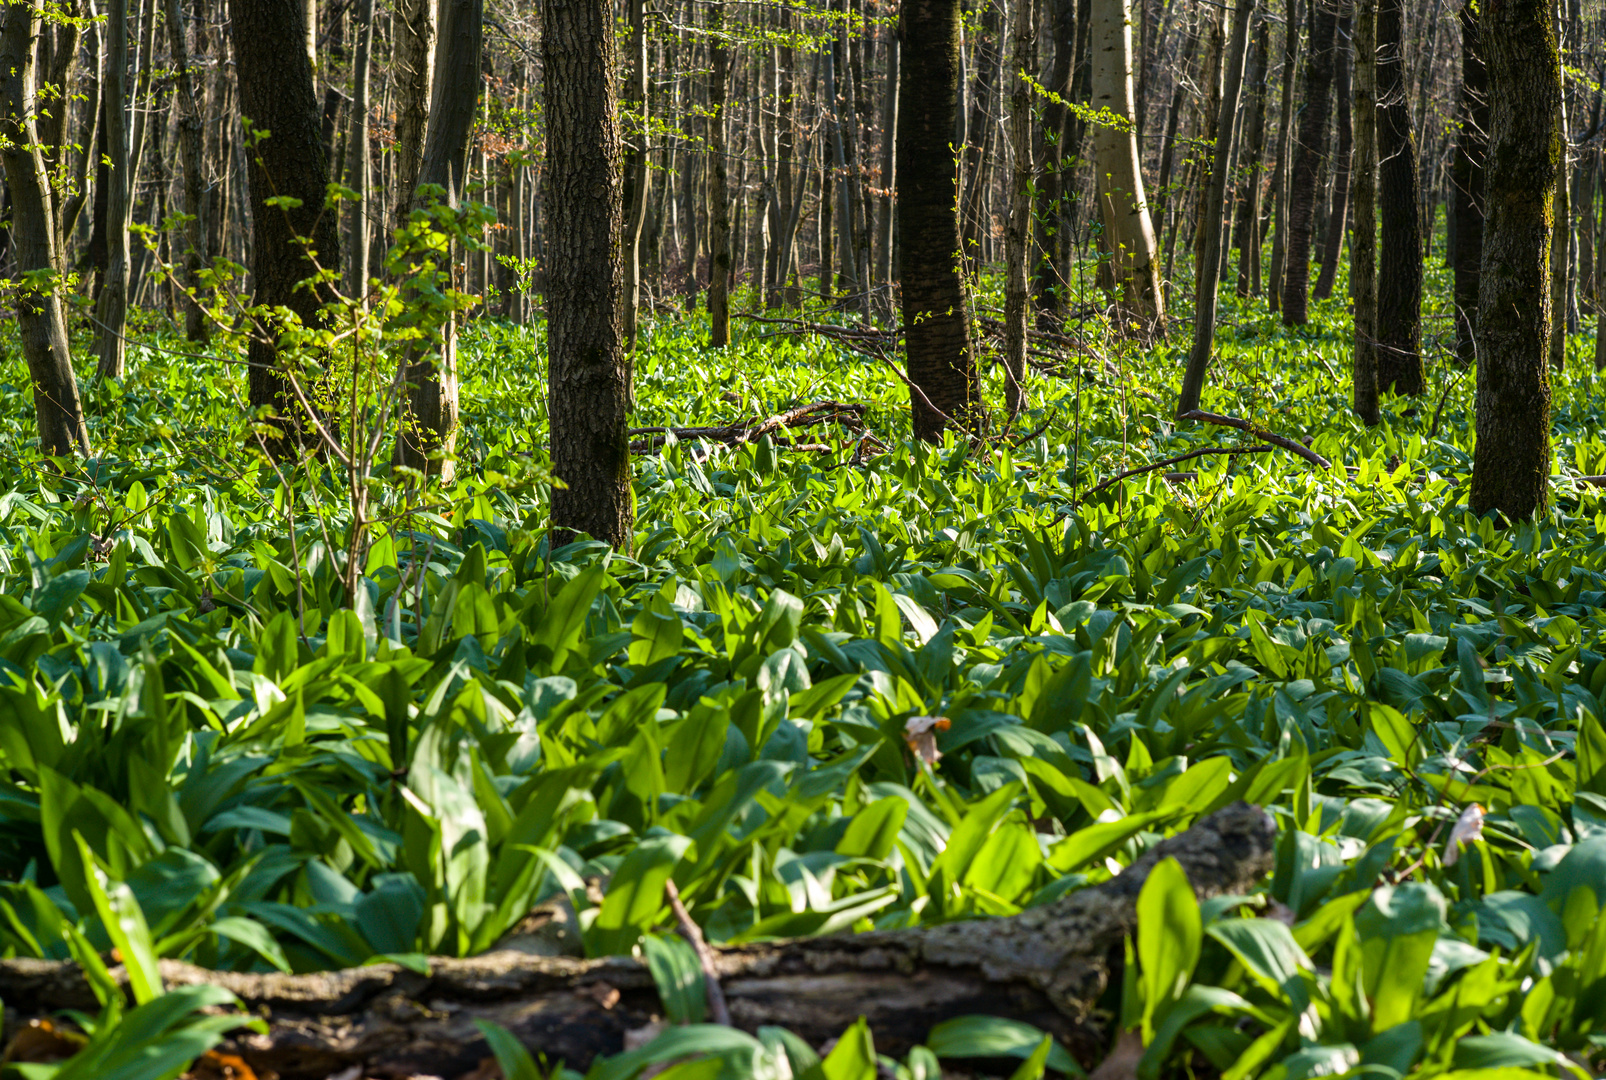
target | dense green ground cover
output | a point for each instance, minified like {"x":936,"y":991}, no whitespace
{"x":209,"y":753}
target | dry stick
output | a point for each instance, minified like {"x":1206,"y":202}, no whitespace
{"x":1101,"y":485}
{"x":1260,"y":433}
{"x":705,"y":956}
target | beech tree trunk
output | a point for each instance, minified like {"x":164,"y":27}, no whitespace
{"x":1363,"y":248}
{"x":111,"y":305}
{"x":1214,"y":211}
{"x":1399,"y":272}
{"x":276,"y":95}
{"x":588,"y":377}
{"x":1139,"y":300}
{"x":196,"y":327}
{"x":936,"y":319}
{"x":40,"y":321}
{"x":1472,"y":144}
{"x":1511,"y":460}
{"x":1048,"y":966}
{"x":1308,"y":155}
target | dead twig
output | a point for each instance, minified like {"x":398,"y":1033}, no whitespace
{"x":1272,"y":437}
{"x":717,"y":1009}
{"x":1101,"y":485}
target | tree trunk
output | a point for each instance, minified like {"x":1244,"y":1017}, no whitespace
{"x":636,"y":176}
{"x":276,"y":95}
{"x":1363,"y":249}
{"x":427,"y":441}
{"x":1281,"y":178}
{"x":1248,"y":227}
{"x":1399,"y":272}
{"x":196,"y":327}
{"x":1139,"y":300}
{"x":40,"y":322}
{"x":414,"y":51}
{"x":1308,"y":155}
{"x":1020,"y":209}
{"x":1338,"y":210}
{"x":1213,"y":211}
{"x":1471,"y":146}
{"x":588,"y":396}
{"x":1047,"y":289}
{"x":719,"y":199}
{"x":978,"y":139}
{"x":111,"y":306}
{"x":357,"y":166}
{"x":1511,"y":458}
{"x":1048,"y":966}
{"x":936,"y":319}
{"x":1560,"y":264}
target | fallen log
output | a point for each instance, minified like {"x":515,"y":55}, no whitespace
{"x":1049,"y":966}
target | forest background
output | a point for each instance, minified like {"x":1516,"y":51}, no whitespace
{"x":689,"y":539}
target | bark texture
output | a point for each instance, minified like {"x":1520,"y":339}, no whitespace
{"x":277,"y":96}
{"x":1047,"y":289}
{"x":719,"y":199}
{"x":1511,"y":460}
{"x":414,"y":75}
{"x":196,"y":327}
{"x":941,"y":365}
{"x":1399,"y":271}
{"x":1140,"y":302}
{"x":40,"y":322}
{"x":1338,"y":209}
{"x":111,"y":306}
{"x":1310,"y":149}
{"x":1363,"y":248}
{"x":1472,"y":143}
{"x":1047,"y":966}
{"x":1019,"y":230}
{"x":588,"y":392}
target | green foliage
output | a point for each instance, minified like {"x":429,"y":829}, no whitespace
{"x":233,"y":736}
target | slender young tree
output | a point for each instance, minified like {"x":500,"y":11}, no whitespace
{"x":719,"y":199}
{"x":357,"y":165}
{"x":1511,"y":458}
{"x":1308,"y":155}
{"x":1018,"y":236}
{"x":1363,"y":178}
{"x":111,"y":306}
{"x":277,"y":97}
{"x":1338,"y":208}
{"x":1399,"y":272}
{"x":1139,"y":300}
{"x":1281,"y":174}
{"x":1214,"y":211}
{"x":588,"y":379}
{"x":1047,"y":291}
{"x":1472,"y":143}
{"x":936,"y":322}
{"x":192,"y":158}
{"x":637,"y":175}
{"x":41,"y":325}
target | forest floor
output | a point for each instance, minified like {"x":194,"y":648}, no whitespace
{"x":208,"y":752}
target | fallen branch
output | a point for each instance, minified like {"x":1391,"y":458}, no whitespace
{"x":1260,"y":433}
{"x":1102,"y":484}
{"x":850,"y":414}
{"x":1048,"y":966}
{"x":718,"y":1011}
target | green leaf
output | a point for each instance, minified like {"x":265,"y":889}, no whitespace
{"x":853,"y":1057}
{"x":125,"y":924}
{"x":995,"y":1036}
{"x":1169,"y":934}
{"x":679,"y":977}
{"x":635,"y":895}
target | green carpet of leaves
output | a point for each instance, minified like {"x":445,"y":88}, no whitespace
{"x":202,"y":739}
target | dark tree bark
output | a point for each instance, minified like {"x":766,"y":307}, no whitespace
{"x":1213,"y":211}
{"x":189,"y":141}
{"x":1467,"y":183}
{"x":1399,"y":270}
{"x":1048,"y":966}
{"x":1247,"y":231}
{"x":1019,"y":228}
{"x":719,"y":199}
{"x":637,"y":177}
{"x":40,"y":320}
{"x":277,"y":96}
{"x":941,"y":365}
{"x":357,"y":165}
{"x":414,"y":51}
{"x":588,"y":395}
{"x":1511,"y":460}
{"x":1363,"y":250}
{"x":1338,"y":210}
{"x":111,"y":304}
{"x":1311,"y":148}
{"x":1285,"y":150}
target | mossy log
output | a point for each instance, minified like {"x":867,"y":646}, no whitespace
{"x":1049,"y":966}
